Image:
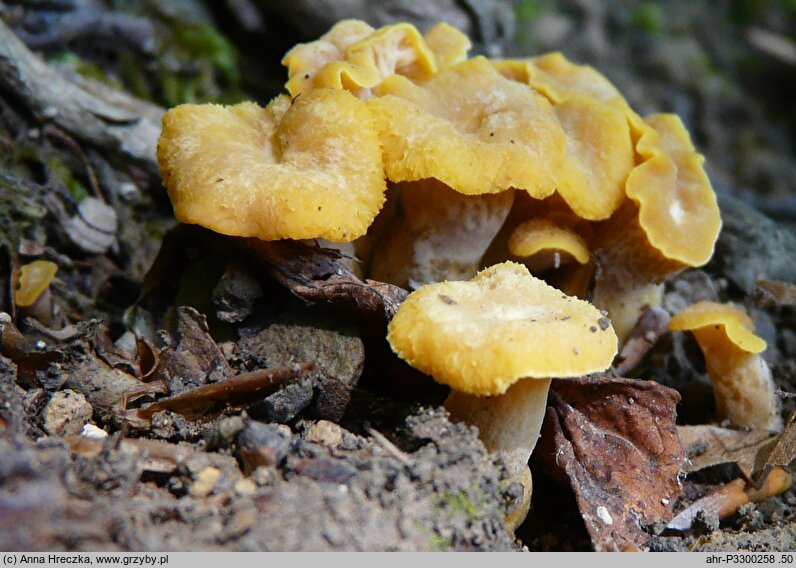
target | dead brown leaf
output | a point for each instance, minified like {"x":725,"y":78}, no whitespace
{"x":615,"y":442}
{"x":775,"y":293}
{"x":193,"y":358}
{"x":707,"y":446}
{"x":316,"y":275}
{"x":783,"y":451}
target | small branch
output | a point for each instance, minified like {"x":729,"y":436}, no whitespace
{"x":256,"y":383}
{"x":97,"y":115}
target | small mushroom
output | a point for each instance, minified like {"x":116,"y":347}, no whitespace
{"x":497,"y":340}
{"x":303,"y":169}
{"x":547,"y":245}
{"x":742,"y":383}
{"x":34,"y":280}
{"x":449,"y":45}
{"x":671,"y":221}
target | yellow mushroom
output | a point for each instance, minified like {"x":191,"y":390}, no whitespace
{"x":449,"y":45}
{"x":303,"y":169}
{"x":543,"y":244}
{"x":348,"y":57}
{"x":742,"y":383}
{"x":497,"y":340}
{"x":305,"y":59}
{"x":34,"y":280}
{"x":470,"y":128}
{"x":671,"y":222}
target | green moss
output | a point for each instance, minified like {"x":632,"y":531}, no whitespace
{"x":72,"y":62}
{"x":469,"y":504}
{"x":648,"y":17}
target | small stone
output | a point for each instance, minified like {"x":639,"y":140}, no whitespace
{"x":262,"y":476}
{"x":66,"y":413}
{"x":94,"y":227}
{"x":325,"y":433}
{"x":205,"y":482}
{"x":245,"y":486}
{"x":93,"y":432}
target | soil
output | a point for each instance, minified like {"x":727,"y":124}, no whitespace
{"x":352,"y":450}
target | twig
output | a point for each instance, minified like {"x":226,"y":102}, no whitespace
{"x":259,"y":382}
{"x":97,"y":115}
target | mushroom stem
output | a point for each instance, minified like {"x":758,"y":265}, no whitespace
{"x":742,"y":383}
{"x":440,"y":234}
{"x":510,"y":423}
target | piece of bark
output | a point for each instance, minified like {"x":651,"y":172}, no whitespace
{"x":770,"y":293}
{"x":614,"y":442}
{"x":110,"y":120}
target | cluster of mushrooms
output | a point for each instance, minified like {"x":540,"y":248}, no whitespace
{"x":502,"y":192}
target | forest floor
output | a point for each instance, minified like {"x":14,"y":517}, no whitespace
{"x":114,"y":432}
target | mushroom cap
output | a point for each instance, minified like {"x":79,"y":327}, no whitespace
{"x":557,"y":78}
{"x":449,"y":45}
{"x":470,"y":128}
{"x":34,"y":278}
{"x":539,"y":235}
{"x":677,"y":206}
{"x":305,"y":59}
{"x":600,"y":156}
{"x":303,"y":169}
{"x":737,"y":325}
{"x":365,"y":59}
{"x":481,"y":336}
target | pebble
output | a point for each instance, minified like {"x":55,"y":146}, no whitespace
{"x":325,"y":433}
{"x":205,"y":482}
{"x":93,"y":432}
{"x":66,"y":413}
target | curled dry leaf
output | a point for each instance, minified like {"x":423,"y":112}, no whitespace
{"x":193,"y":358}
{"x":783,"y":451}
{"x":707,"y":445}
{"x":315,"y":274}
{"x":775,"y":293}
{"x":615,"y":442}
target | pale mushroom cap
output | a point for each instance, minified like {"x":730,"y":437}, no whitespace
{"x":305,"y":169}
{"x":481,"y":336}
{"x":737,"y":325}
{"x":34,"y":279}
{"x":470,"y":128}
{"x":599,"y":156}
{"x":557,"y":78}
{"x":538,"y":235}
{"x":677,"y":205}
{"x":449,"y":45}
{"x":305,"y":59}
{"x":357,"y":58}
